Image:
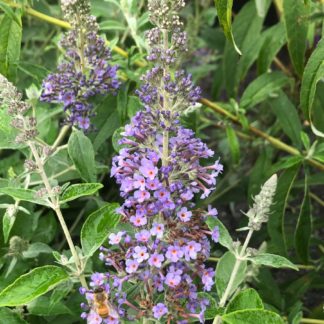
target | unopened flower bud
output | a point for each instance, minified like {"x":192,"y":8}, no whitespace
{"x":17,"y":246}
{"x":259,"y":212}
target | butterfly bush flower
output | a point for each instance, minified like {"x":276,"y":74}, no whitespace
{"x":161,"y":169}
{"x":84,"y":71}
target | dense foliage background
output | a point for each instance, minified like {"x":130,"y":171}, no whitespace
{"x":269,"y":118}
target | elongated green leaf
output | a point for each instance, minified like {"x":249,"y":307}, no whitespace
{"x":246,"y":299}
{"x":304,"y":226}
{"x":8,"y":221}
{"x":82,"y":154}
{"x":295,"y":14}
{"x":247,"y":27}
{"x":106,"y":121}
{"x":276,"y":221}
{"x":224,"y":13}
{"x":111,"y":25}
{"x":234,"y":144}
{"x":258,"y":175}
{"x":23,"y":194}
{"x":252,"y":316}
{"x":287,"y":116}
{"x":313,"y":73}
{"x":223,"y":273}
{"x":31,"y":285}
{"x":272,"y":260}
{"x":224,"y":237}
{"x":10,"y":42}
{"x":79,"y":190}
{"x":262,"y":87}
{"x":97,"y":227}
{"x":261,"y":7}
{"x":10,"y":13}
{"x":8,"y":316}
{"x":273,"y":40}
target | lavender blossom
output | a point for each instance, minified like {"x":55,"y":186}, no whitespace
{"x":161,"y":168}
{"x":84,"y":71}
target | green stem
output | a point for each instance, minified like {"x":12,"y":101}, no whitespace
{"x":236,"y":267}
{"x":56,"y":207}
{"x":60,"y":137}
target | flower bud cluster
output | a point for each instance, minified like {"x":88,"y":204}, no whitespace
{"x":84,"y":71}
{"x":161,"y":169}
{"x":259,"y":212}
{"x":17,"y":108}
{"x":164,"y":13}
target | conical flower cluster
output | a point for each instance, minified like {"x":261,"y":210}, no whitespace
{"x":161,"y":170}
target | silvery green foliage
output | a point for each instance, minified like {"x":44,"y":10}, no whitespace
{"x":259,"y":212}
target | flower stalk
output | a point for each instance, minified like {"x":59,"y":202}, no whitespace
{"x":27,"y":134}
{"x":257,"y":215}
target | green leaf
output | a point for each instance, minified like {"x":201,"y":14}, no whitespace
{"x":79,"y":190}
{"x":247,"y":27}
{"x":97,"y":227}
{"x":111,"y":25}
{"x":24,"y":194}
{"x":82,"y":154}
{"x":31,"y":285}
{"x":223,"y":273}
{"x":42,"y":307}
{"x":314,"y":72}
{"x":273,"y":40}
{"x":262,"y":87}
{"x":8,"y":221}
{"x":272,"y":260}
{"x":261,"y":6}
{"x":10,"y":13}
{"x":245,"y":299}
{"x":8,"y":316}
{"x":117,"y":137}
{"x":106,"y":121}
{"x":258,"y":175}
{"x":304,"y":226}
{"x":234,"y":144}
{"x":295,"y":14}
{"x":287,"y":116}
{"x":224,"y":13}
{"x":10,"y":42}
{"x":276,"y":223}
{"x":35,"y":249}
{"x":224,"y":236}
{"x":61,"y":290}
{"x":133,"y":106}
{"x":252,"y":316}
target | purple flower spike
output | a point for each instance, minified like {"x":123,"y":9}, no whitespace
{"x":162,"y":170}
